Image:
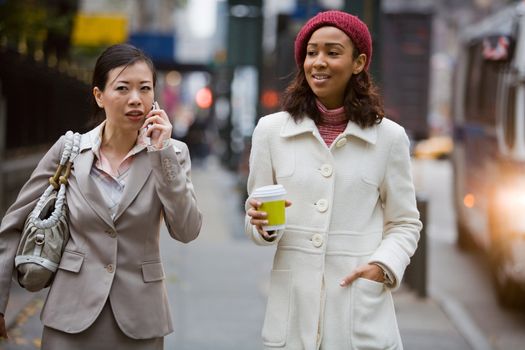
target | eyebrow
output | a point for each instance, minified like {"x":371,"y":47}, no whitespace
{"x":326,"y":44}
{"x":127,"y":82}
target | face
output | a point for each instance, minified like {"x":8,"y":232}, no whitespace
{"x":329,"y":64}
{"x":127,"y":97}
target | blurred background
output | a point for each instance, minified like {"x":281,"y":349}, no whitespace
{"x":452,"y":72}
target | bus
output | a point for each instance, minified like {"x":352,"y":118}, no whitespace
{"x":489,"y":147}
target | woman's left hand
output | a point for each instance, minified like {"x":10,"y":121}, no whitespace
{"x":369,"y":271}
{"x":159,"y":128}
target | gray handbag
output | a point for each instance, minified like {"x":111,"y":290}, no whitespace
{"x":46,"y":229}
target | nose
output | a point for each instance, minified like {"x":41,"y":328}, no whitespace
{"x":134,"y":98}
{"x":319,"y":61}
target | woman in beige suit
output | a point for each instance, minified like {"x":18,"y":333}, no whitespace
{"x":109,"y":290}
{"x":353,"y":225}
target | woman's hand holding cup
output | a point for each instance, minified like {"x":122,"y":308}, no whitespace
{"x":267,"y":209}
{"x":258,"y":218}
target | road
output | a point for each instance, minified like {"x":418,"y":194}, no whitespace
{"x":459,"y":278}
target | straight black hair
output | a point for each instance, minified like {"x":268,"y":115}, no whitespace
{"x":115,"y":56}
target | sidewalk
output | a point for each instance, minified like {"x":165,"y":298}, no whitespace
{"x":217,"y":286}
{"x":223,"y":277}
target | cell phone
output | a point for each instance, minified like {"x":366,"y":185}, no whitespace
{"x":154,"y":106}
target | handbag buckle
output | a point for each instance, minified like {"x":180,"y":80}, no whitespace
{"x":40,"y":239}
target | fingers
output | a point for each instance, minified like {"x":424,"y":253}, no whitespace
{"x":346,"y":281}
{"x":254,"y":203}
{"x":287,"y":203}
{"x":156,"y":119}
{"x":268,"y":236}
{"x":369,"y":271}
{"x":258,"y":218}
{"x":158,"y":127}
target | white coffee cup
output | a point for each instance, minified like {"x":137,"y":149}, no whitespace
{"x":272,"y":198}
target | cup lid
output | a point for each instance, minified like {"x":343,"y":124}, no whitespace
{"x":269,"y":191}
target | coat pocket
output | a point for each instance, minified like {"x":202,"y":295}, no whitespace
{"x":152,"y":271}
{"x":373,"y":310}
{"x":71,"y":261}
{"x":275,"y":328}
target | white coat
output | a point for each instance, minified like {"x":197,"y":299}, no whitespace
{"x":353,"y":203}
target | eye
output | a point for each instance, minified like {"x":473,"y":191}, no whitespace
{"x":310,"y":52}
{"x":333,"y":53}
{"x":122,"y":88}
{"x":146,"y":88}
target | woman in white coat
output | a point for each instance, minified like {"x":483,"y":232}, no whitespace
{"x":353,"y":224}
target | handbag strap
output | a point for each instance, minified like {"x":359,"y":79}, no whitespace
{"x":69,"y":153}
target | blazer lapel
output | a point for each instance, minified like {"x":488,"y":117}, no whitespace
{"x":88,"y":188}
{"x":139,"y":173}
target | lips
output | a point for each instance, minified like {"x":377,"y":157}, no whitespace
{"x":320,"y":77}
{"x":135,"y":115}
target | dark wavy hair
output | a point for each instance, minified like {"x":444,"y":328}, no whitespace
{"x":113,"y":57}
{"x":362,"y":102}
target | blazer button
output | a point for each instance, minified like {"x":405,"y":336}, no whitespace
{"x":111,"y":233}
{"x":110,"y":268}
{"x":317,"y":240}
{"x":326,"y":170}
{"x":322,"y":205}
{"x":341,"y":142}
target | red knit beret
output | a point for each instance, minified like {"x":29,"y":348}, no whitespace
{"x":356,"y":30}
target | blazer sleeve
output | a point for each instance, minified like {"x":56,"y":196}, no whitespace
{"x":172,"y":170}
{"x":261,"y":174}
{"x":401,"y":218}
{"x":14,"y":219}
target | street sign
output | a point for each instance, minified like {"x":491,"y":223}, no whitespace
{"x":99,"y":30}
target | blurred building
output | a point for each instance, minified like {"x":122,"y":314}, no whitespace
{"x":449,"y":17}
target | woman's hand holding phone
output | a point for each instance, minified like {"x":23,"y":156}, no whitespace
{"x":158,"y":126}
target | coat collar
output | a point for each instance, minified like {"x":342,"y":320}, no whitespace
{"x":305,"y":125}
{"x":92,"y":140}
{"x":139,"y":173}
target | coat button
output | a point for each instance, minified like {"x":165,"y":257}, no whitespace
{"x":110,"y":268}
{"x":326,"y":170}
{"x":317,"y":240}
{"x":341,"y":142}
{"x":111,"y":233}
{"x":322,"y":205}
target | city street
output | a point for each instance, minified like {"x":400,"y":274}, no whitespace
{"x":461,"y":281}
{"x":217,"y":284}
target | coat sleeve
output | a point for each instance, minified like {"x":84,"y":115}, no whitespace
{"x":172,"y":170}
{"x":14,"y":219}
{"x":401,"y":217}
{"x":261,"y":174}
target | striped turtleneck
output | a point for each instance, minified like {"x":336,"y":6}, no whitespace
{"x":333,"y":122}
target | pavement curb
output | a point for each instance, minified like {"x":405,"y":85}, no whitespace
{"x":459,"y":316}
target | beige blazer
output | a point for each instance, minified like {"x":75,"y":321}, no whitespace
{"x":353,"y":203}
{"x":117,"y":259}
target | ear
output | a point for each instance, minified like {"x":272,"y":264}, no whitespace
{"x":97,"y":93}
{"x":359,"y":64}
